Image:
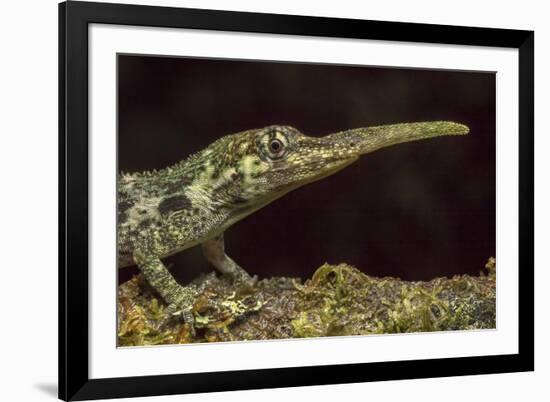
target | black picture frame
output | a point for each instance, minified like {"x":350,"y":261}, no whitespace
{"x":74,"y":381}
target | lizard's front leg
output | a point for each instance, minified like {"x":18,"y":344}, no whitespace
{"x":214,"y":251}
{"x":180,"y":299}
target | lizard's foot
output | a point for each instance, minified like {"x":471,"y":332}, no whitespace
{"x":181,"y":306}
{"x":175,"y":311}
{"x":180,"y":299}
{"x":234,"y":273}
{"x":243,"y":279}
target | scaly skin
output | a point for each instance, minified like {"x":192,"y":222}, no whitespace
{"x":193,"y":202}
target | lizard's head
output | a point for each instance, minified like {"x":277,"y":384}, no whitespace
{"x":283,"y":159}
{"x":258,"y":166}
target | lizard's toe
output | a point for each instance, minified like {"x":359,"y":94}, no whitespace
{"x":178,"y":312}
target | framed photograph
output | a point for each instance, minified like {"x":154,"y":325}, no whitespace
{"x":257,"y":200}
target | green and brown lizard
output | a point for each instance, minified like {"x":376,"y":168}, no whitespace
{"x":163,"y":212}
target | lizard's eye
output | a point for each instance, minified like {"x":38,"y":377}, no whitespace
{"x":275,"y":146}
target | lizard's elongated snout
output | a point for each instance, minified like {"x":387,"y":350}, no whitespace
{"x":364,"y":140}
{"x":318,"y":157}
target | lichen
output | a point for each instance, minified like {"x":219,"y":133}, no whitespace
{"x":337,"y":300}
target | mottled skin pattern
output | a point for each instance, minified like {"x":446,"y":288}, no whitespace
{"x":193,"y":202}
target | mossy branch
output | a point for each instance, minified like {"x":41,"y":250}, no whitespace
{"x":337,"y":300}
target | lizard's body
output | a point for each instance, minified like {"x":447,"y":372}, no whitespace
{"x":193,"y":202}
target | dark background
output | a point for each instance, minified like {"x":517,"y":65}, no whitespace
{"x":414,"y":211}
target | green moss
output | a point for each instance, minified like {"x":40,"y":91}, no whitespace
{"x":337,"y":300}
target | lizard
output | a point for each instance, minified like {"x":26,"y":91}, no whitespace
{"x":193,"y":202}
